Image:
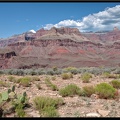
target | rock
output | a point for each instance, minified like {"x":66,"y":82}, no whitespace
{"x":93,"y":115}
{"x":94,"y":96}
{"x":115,"y":29}
{"x":104,"y":113}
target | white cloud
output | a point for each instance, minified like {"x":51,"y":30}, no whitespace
{"x":103,"y":20}
{"x":33,"y":31}
{"x":48,"y":26}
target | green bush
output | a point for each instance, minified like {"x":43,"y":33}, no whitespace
{"x":20,"y":111}
{"x":67,"y":75}
{"x":70,"y":90}
{"x":86,"y":77}
{"x":1,"y":72}
{"x":50,"y":84}
{"x":47,"y":106}
{"x":50,"y":112}
{"x":72,"y":70}
{"x":88,"y":90}
{"x":115,"y":83}
{"x":109,"y":75}
{"x":14,"y":79}
{"x":3,"y":84}
{"x":55,"y":68}
{"x":53,"y":78}
{"x":50,"y":72}
{"x":25,"y":81}
{"x":35,"y":78}
{"x":13,"y":103}
{"x":33,"y":73}
{"x":11,"y":78}
{"x":105,"y":90}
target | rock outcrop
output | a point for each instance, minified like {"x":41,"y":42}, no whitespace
{"x":5,"y":55}
{"x":63,"y":47}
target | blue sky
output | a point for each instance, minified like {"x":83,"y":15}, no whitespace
{"x":17,"y":18}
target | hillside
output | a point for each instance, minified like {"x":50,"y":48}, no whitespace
{"x":63,"y":47}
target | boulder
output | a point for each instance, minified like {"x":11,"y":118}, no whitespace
{"x":103,"y":113}
{"x":93,"y":115}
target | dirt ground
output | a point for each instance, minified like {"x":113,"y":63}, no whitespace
{"x":77,"y":106}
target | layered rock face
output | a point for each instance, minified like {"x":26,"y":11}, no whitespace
{"x":5,"y":55}
{"x":63,"y":47}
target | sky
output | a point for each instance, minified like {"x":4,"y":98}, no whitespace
{"x":20,"y":17}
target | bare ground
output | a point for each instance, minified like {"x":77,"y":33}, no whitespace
{"x":77,"y":106}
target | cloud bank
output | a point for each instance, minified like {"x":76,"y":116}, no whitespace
{"x":103,"y":20}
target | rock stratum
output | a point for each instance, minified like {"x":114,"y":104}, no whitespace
{"x":61,"y":47}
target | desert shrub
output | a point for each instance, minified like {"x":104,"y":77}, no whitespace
{"x":116,"y":71}
{"x":50,"y":84}
{"x":53,"y":78}
{"x":50,"y":72}
{"x":105,"y":90}
{"x":81,"y":70}
{"x":67,"y":75}
{"x":50,"y":112}
{"x":58,"y":72}
{"x":20,"y":111}
{"x":115,"y":83}
{"x":19,"y":72}
{"x":108,"y":69}
{"x":109,"y":75}
{"x":55,"y":68}
{"x":12,"y":102}
{"x":86,"y":77}
{"x":10,"y":71}
{"x":3,"y":84}
{"x":32,"y":72}
{"x":113,"y":76}
{"x":70,"y":90}
{"x":25,"y":81}
{"x":35,"y":78}
{"x":106,"y":74}
{"x":88,"y":90}
{"x":40,"y":72}
{"x":95,"y":71}
{"x":11,"y":78}
{"x":47,"y":106}
{"x":72,"y":70}
{"x":1,"y":72}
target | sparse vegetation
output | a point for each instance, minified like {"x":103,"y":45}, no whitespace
{"x":25,"y":81}
{"x":50,"y":84}
{"x":70,"y":90}
{"x":53,"y":78}
{"x":4,"y":84}
{"x":72,"y":70}
{"x":15,"y":102}
{"x":86,"y":77}
{"x":88,"y":90}
{"x":109,"y":75}
{"x":115,"y":83}
{"x":11,"y":78}
{"x":47,"y":106}
{"x":35,"y":78}
{"x":44,"y":82}
{"x":105,"y":90}
{"x":67,"y":75}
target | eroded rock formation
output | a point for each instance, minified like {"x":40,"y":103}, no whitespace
{"x":64,"y":47}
